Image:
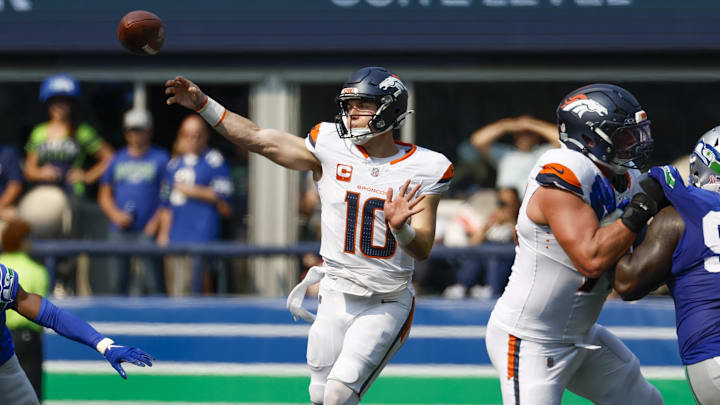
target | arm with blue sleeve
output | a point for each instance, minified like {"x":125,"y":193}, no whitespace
{"x":45,"y":313}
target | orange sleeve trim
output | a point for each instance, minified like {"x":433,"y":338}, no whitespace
{"x":562,"y":172}
{"x":204,"y":103}
{"x":221,"y":118}
{"x":449,"y":173}
{"x":314,"y":132}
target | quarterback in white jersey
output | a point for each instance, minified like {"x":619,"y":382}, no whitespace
{"x":379,"y":202}
{"x":542,"y":337}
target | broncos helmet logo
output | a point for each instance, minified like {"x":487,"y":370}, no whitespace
{"x":392,"y":81}
{"x":580,"y":104}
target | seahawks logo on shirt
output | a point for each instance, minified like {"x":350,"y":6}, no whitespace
{"x":8,"y":289}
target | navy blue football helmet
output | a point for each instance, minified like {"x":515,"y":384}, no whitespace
{"x":380,"y":86}
{"x":608,"y":125}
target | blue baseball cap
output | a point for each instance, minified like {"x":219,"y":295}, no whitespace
{"x":59,"y":85}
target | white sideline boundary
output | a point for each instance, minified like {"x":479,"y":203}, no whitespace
{"x":188,"y":403}
{"x":300,"y":370}
{"x":301,"y":330}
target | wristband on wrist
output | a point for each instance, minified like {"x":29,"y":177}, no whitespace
{"x":103,"y":345}
{"x":404,"y":235}
{"x":211,"y":111}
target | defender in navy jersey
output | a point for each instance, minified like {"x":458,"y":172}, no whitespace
{"x":15,"y":387}
{"x":682,"y":248}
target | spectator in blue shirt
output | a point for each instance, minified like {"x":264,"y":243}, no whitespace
{"x":195,"y":194}
{"x":130,"y":196}
{"x":10,"y":180}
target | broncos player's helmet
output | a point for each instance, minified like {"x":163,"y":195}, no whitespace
{"x":380,"y":86}
{"x":607,"y":124}
{"x":705,"y":161}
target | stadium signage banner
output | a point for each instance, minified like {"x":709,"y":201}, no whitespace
{"x":285,"y":26}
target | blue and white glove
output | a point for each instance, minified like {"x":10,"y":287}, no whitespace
{"x":297,"y":295}
{"x":116,"y":354}
{"x":602,"y":197}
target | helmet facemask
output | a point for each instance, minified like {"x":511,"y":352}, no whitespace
{"x":357,"y":136}
{"x":632,"y":146}
{"x":377,"y":125}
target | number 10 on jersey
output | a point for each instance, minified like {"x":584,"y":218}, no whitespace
{"x":367,"y":227}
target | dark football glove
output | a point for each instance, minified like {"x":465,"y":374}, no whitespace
{"x":640,"y":209}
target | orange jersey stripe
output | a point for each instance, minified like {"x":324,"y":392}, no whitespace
{"x":562,"y":172}
{"x":511,"y":357}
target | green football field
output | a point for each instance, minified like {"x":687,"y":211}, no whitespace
{"x":141,"y":389}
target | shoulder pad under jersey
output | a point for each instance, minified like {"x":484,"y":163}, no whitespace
{"x":568,"y":170}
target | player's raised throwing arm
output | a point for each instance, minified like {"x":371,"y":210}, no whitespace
{"x":281,"y":147}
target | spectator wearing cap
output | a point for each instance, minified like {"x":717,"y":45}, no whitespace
{"x":129,"y":197}
{"x":27,"y":335}
{"x":57,"y":148}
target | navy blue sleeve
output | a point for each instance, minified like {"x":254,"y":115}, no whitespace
{"x":67,"y":324}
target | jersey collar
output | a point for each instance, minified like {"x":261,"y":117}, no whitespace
{"x":411,"y":149}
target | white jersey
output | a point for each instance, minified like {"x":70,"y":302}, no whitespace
{"x":361,"y":255}
{"x":547,"y":299}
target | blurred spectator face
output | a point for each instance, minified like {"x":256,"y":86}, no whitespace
{"x":526,"y":140}
{"x":138,"y":126}
{"x":60,"y":108}
{"x":508,"y":199}
{"x":137,"y":138}
{"x":192,"y":135}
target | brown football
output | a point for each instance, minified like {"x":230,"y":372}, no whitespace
{"x":141,"y":32}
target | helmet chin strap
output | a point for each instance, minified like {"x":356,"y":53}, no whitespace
{"x":616,"y":169}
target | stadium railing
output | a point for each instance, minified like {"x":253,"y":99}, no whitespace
{"x":51,"y":250}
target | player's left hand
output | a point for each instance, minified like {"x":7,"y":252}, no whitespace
{"x":399,"y":210}
{"x":116,"y":354}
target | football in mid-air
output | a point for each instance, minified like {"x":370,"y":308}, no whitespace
{"x":141,"y":32}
